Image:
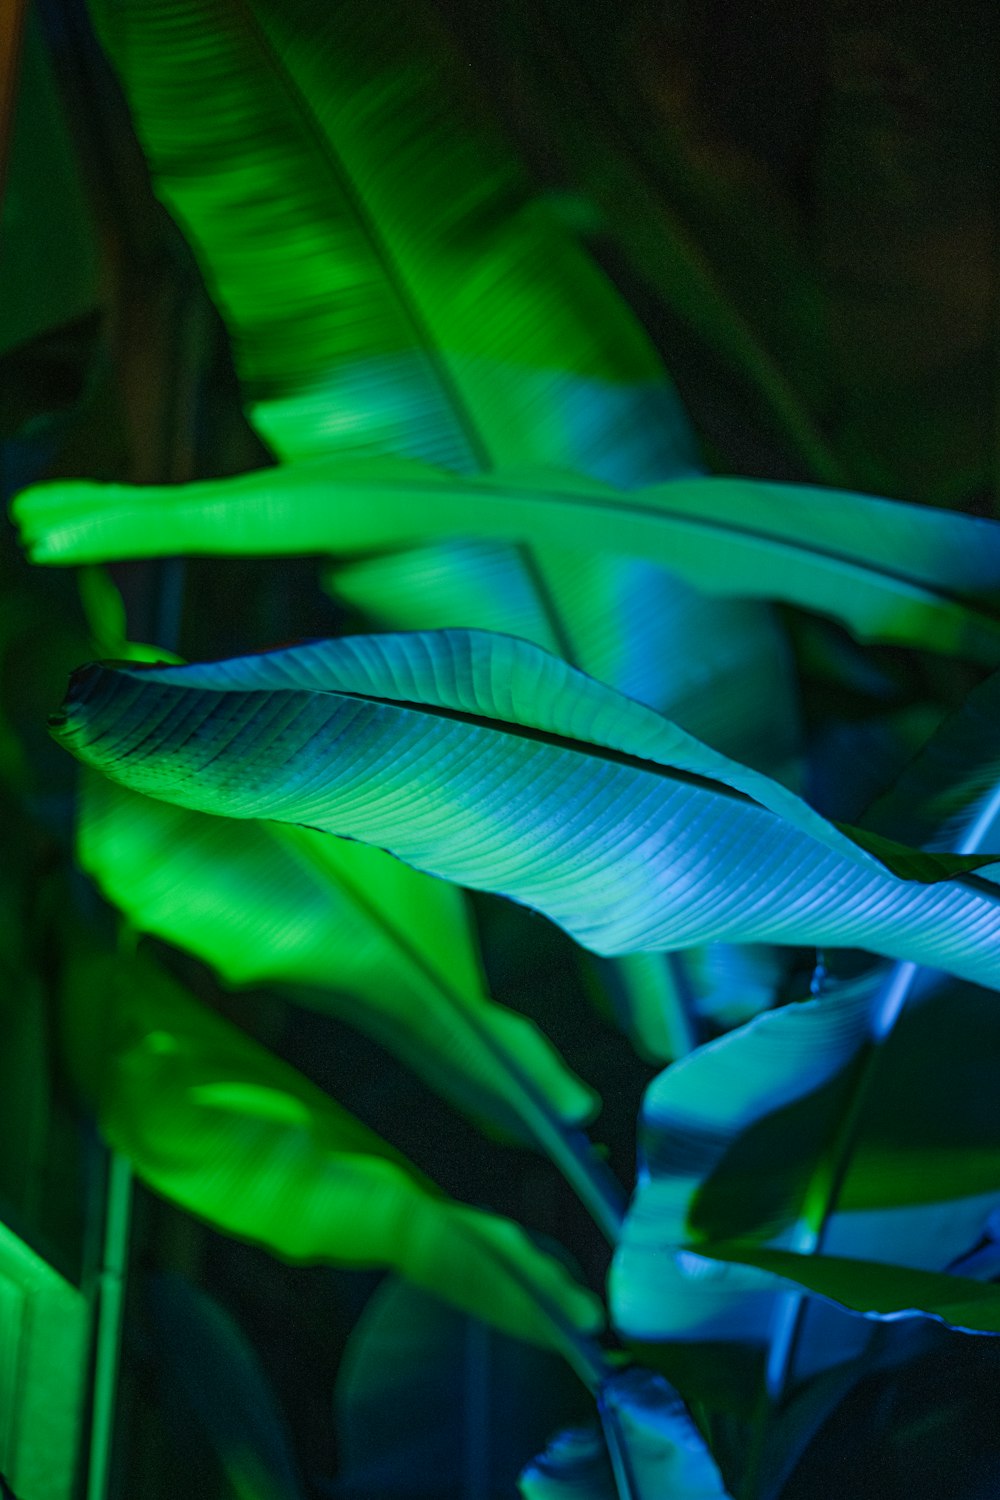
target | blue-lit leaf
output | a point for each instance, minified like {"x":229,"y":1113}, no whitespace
{"x":482,"y":759}
{"x":874,"y":1289}
{"x":656,"y":1451}
{"x":743,"y":1141}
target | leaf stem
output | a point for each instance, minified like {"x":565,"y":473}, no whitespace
{"x":621,"y":1464}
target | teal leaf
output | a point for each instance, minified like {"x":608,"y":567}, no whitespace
{"x":656,"y":1450}
{"x":483,"y":760}
{"x":745,"y":1141}
{"x":950,"y":790}
{"x":574,"y":1466}
{"x":392,"y":281}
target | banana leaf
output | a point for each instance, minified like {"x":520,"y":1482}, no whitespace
{"x":391,"y":280}
{"x":655,"y":1451}
{"x":890,"y":572}
{"x":393,"y":284}
{"x":483,"y":760}
{"x":267,"y":903}
{"x":222,"y":1128}
{"x":745,"y":1141}
{"x":874,"y":1289}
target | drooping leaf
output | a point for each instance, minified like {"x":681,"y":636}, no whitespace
{"x":216,"y":1124}
{"x":657,"y":1450}
{"x":891,"y":572}
{"x":429,"y":1402}
{"x":224,"y":1386}
{"x":481,"y":759}
{"x":369,"y":939}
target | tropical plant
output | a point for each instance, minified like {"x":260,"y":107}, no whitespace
{"x":563,"y":665}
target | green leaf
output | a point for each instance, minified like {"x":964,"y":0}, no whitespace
{"x":481,"y":759}
{"x":389,"y":278}
{"x":891,"y":572}
{"x":369,"y":939}
{"x":872,"y":1288}
{"x":719,"y":667}
{"x":216,"y":1124}
{"x":392,"y":281}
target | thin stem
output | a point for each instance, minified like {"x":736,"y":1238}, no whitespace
{"x":621,"y":1463}
{"x":590,"y":1177}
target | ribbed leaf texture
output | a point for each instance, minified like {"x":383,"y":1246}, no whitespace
{"x":481,"y":759}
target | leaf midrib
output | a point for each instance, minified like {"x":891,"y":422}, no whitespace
{"x":406,"y":301}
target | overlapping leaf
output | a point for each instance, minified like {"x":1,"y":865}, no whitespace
{"x":743,"y":1142}
{"x":394,"y":285}
{"x":873,"y":1288}
{"x":372,"y":940}
{"x":657,"y":1451}
{"x":390,"y":279}
{"x":891,"y":572}
{"x":481,"y":759}
{"x":215,"y":1123}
